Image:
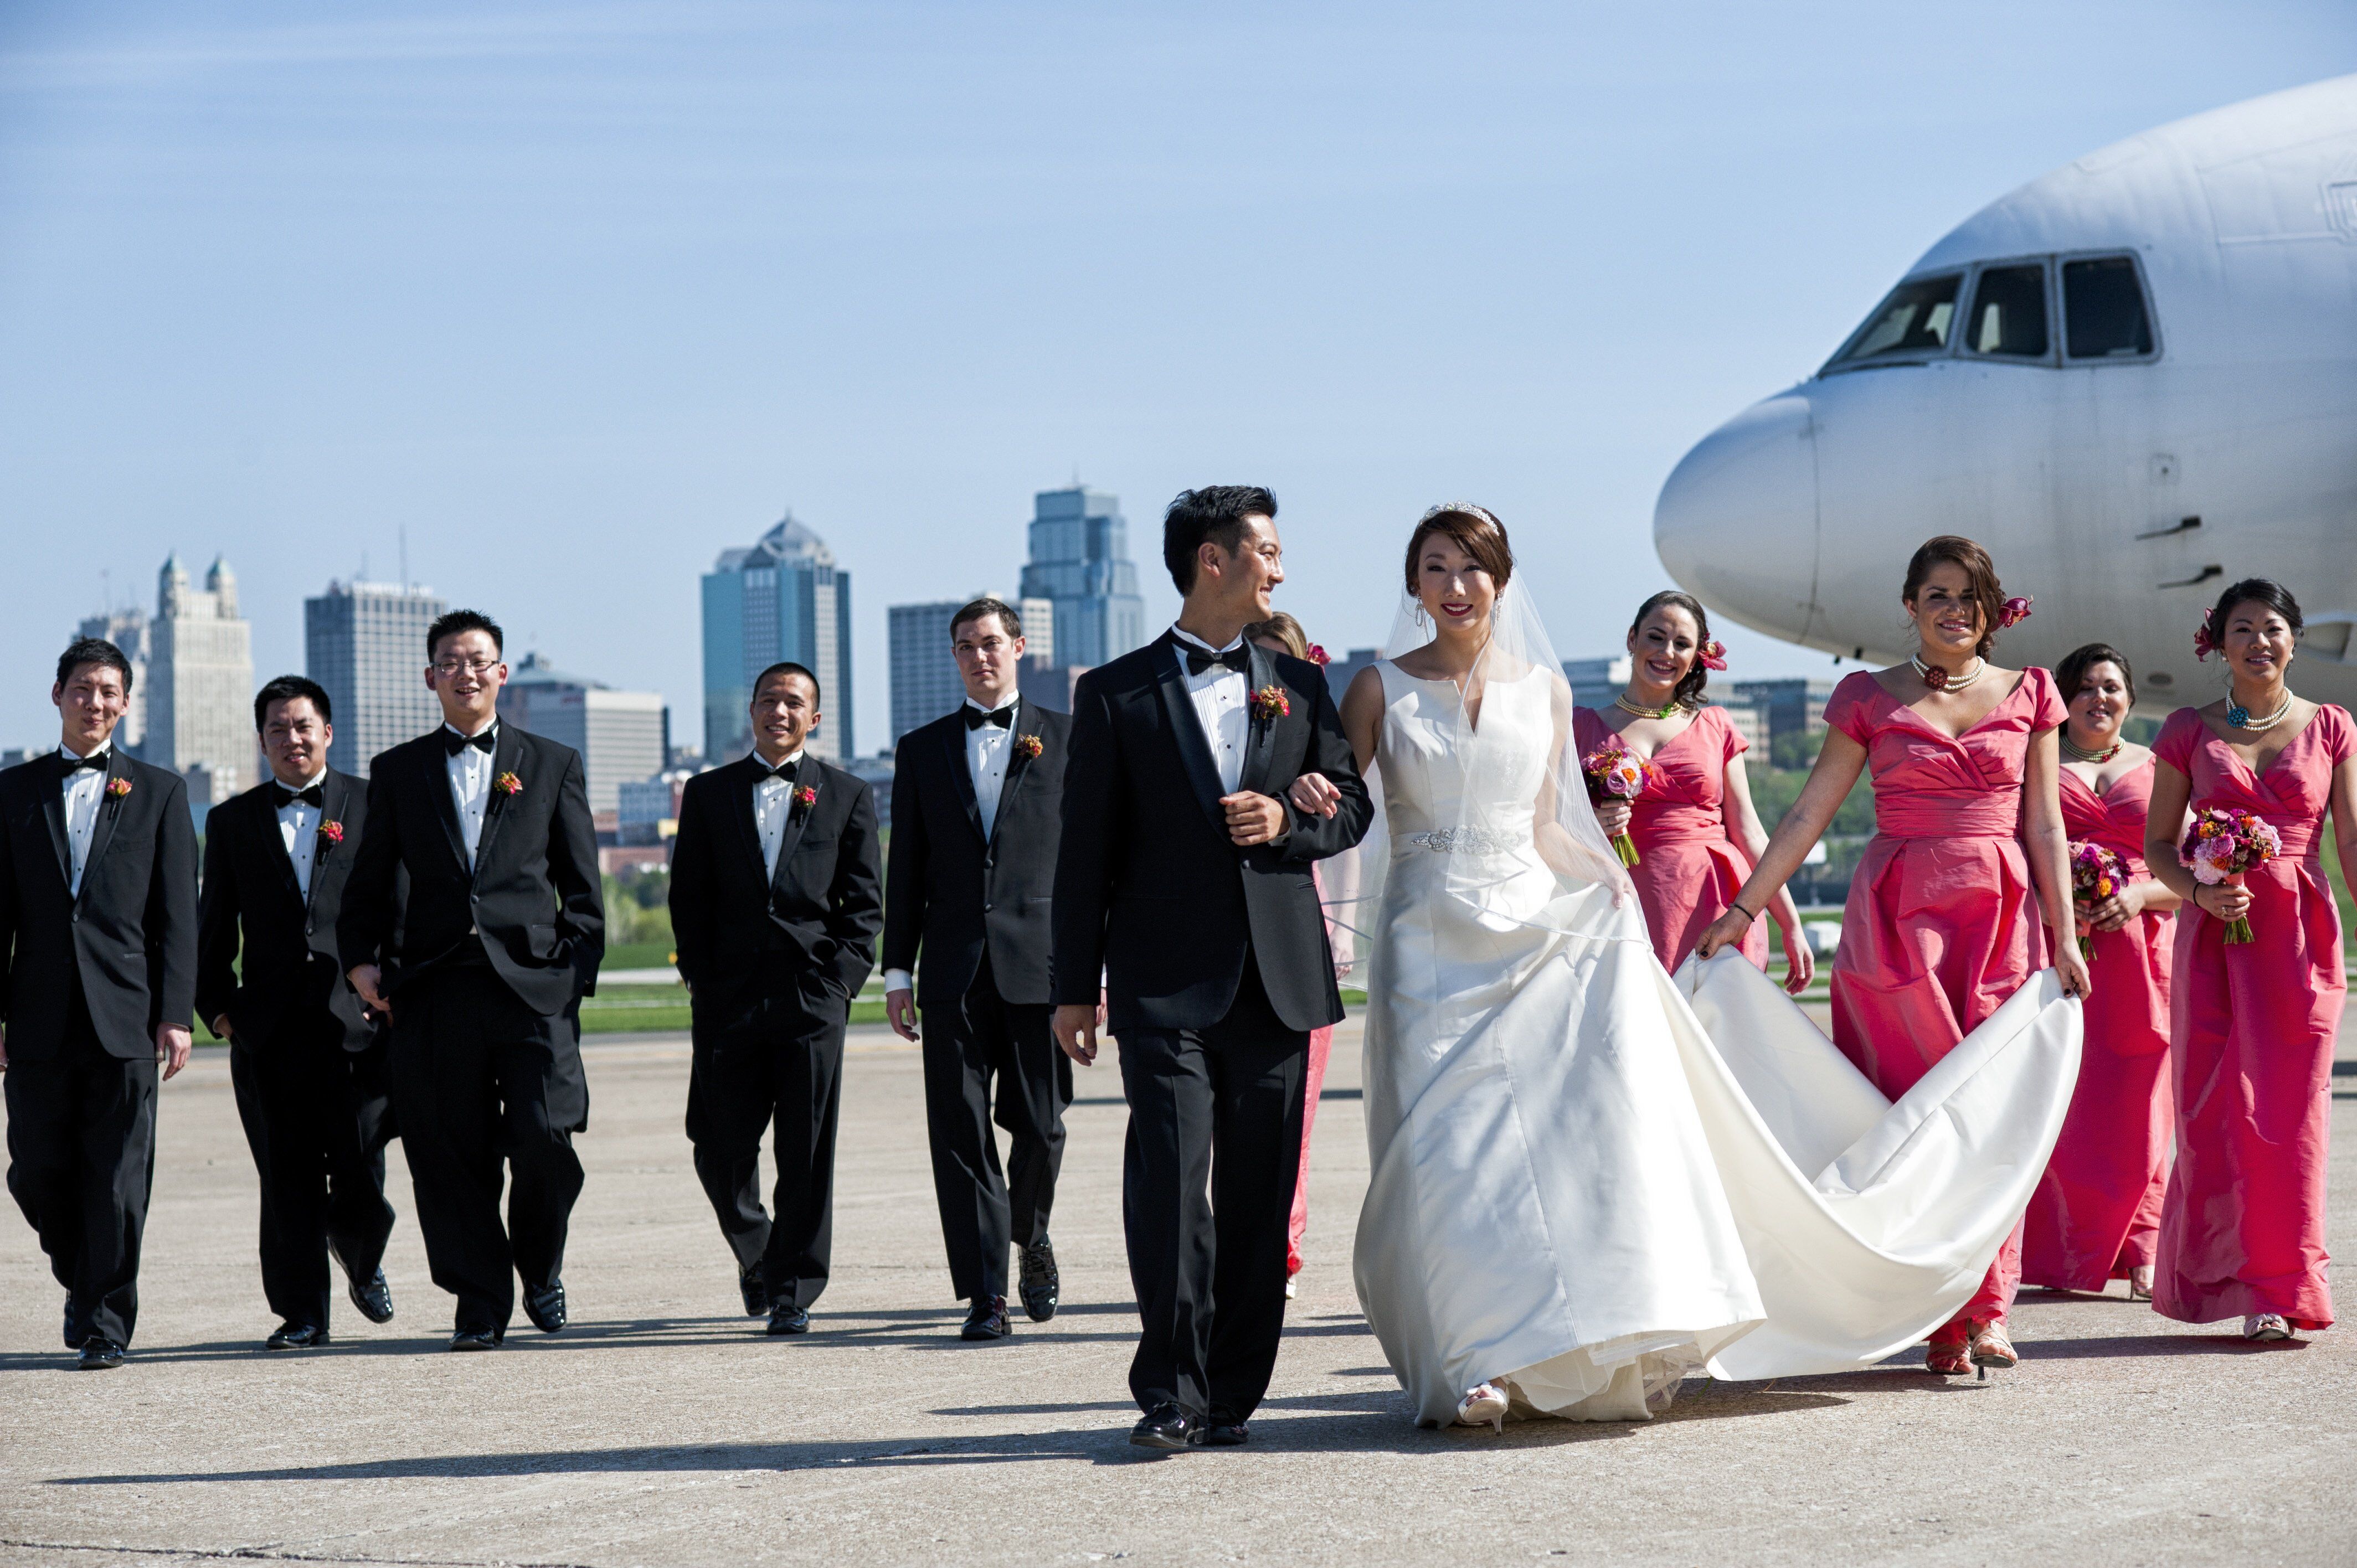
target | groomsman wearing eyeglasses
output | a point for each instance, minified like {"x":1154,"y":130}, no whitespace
{"x":481,"y":957}
{"x":977,"y":806}
{"x":774,"y":907}
{"x":307,"y":1060}
{"x":98,"y":978}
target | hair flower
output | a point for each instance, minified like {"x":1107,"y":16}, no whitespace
{"x":1714,"y":655}
{"x":1319,"y":656}
{"x":2204,"y":645}
{"x":2014,"y":611}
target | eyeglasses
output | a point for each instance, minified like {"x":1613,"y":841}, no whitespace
{"x":449,"y":669}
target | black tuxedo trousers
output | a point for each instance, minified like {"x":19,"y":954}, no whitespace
{"x":318,"y":1118}
{"x":1208,"y":1174}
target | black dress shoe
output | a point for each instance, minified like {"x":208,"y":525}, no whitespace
{"x":755,"y":1292}
{"x":476,"y":1338}
{"x":1039,"y":1281}
{"x":1164,"y":1426}
{"x":293,"y":1335}
{"x":99,"y":1354}
{"x":988,"y":1320}
{"x":787,"y":1318}
{"x":77,"y":1325}
{"x":1220,"y":1429}
{"x":373,"y":1297}
{"x":544,"y":1305}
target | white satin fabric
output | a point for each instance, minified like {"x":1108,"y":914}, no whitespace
{"x":1589,"y":1179}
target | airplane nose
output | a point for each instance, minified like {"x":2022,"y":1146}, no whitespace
{"x":1736,"y":522}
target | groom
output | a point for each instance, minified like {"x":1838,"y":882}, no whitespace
{"x":1183,"y":877}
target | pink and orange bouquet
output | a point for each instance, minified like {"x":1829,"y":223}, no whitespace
{"x":2096,"y":874}
{"x":2223,"y":842}
{"x":1614,"y":773}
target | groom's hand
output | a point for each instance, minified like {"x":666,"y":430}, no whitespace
{"x":1253,"y":819}
{"x":1075,"y":1027}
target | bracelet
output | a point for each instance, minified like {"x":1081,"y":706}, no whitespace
{"x":1737,"y":904}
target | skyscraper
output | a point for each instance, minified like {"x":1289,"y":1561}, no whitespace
{"x":200,"y":670}
{"x":621,"y":735}
{"x":925,"y":683}
{"x":127,"y":630}
{"x":782,"y":599}
{"x":1080,"y":560}
{"x":365,"y":642}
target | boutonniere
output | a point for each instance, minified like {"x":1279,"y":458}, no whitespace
{"x":1028,"y":746}
{"x":508,"y":784}
{"x":118,"y":787}
{"x":333,"y":832}
{"x":805,"y":795}
{"x":1270,"y":703}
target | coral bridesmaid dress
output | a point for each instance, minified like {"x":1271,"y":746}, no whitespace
{"x":1942,"y":924}
{"x":2253,"y":1025}
{"x":1688,"y":868}
{"x":2097,"y":1212}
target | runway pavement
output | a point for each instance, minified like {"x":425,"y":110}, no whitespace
{"x":664,"y":1428}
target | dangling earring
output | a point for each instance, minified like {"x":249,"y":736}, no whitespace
{"x":1419,"y":613}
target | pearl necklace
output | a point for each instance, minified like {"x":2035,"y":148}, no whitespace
{"x":2077,"y":753}
{"x":1667,"y":711}
{"x":1939,"y":679}
{"x":2239,"y":716}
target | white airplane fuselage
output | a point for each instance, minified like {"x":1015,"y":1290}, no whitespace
{"x":2122,"y":480}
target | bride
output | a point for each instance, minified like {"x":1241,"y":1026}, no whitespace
{"x":1577,"y":1195}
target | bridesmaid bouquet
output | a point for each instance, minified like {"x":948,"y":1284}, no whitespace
{"x":2096,"y":873}
{"x":1615,"y":774}
{"x":2223,"y":842}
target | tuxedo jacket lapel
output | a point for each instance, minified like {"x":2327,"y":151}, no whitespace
{"x":274,"y":845}
{"x":1018,"y":768}
{"x":1260,"y":734}
{"x":797,"y":816}
{"x":962,"y":774}
{"x":445,"y":808}
{"x":749,"y":827}
{"x":505,"y":756}
{"x":53,"y":810}
{"x":338,"y":794}
{"x":1194,"y":747}
{"x":110,"y":807}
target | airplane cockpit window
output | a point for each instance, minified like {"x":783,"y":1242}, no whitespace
{"x":2104,"y":315}
{"x":1914,"y":319}
{"x":2008,"y":315}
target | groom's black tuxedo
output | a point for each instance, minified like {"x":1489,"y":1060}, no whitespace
{"x":485,"y":960}
{"x":1216,"y":968}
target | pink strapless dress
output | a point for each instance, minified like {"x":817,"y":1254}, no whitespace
{"x":1942,"y":924}
{"x":2254,"y":1026}
{"x":1689,"y":867}
{"x":2097,"y":1212}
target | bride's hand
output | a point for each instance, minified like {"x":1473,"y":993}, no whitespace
{"x":1315,"y":794}
{"x":1727,"y":931}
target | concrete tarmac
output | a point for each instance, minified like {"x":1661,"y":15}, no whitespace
{"x":661,"y":1427}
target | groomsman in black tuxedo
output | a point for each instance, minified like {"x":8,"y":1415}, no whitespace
{"x":480,"y":955}
{"x":774,"y":908}
{"x":977,"y":803}
{"x":1185,"y":875}
{"x":307,"y":1060}
{"x":98,"y":979}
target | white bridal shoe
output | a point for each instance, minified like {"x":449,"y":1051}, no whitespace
{"x":1482,"y":1405}
{"x":2264,"y":1326}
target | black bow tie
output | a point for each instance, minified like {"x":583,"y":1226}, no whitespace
{"x":309,"y":795}
{"x":1002,"y":717}
{"x":1238,"y":658}
{"x":453,"y":742}
{"x":96,"y":761}
{"x":784,"y":771}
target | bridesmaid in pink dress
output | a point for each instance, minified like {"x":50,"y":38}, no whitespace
{"x":2253,"y":1025}
{"x":1696,"y":834}
{"x":2096,"y":1217}
{"x":1942,"y":922}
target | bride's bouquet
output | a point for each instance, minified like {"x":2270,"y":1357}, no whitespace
{"x":2223,"y":842}
{"x":1614,"y":773}
{"x":2096,"y":873}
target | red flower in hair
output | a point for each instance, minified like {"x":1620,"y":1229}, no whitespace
{"x":1714,"y":655}
{"x":2204,"y":645}
{"x":1319,"y":656}
{"x":2013,"y":612}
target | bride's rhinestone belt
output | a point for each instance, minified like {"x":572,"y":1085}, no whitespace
{"x":1467,"y":840}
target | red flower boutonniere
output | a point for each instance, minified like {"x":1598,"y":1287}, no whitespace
{"x":508,"y":784}
{"x":118,"y":787}
{"x":1030,"y":745}
{"x":805,"y":795}
{"x":333,"y":832}
{"x":1270,"y":703}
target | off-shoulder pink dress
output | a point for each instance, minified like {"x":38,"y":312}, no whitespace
{"x":2253,"y":1027}
{"x":1689,"y":867}
{"x":1942,"y":924}
{"x":2097,"y":1212}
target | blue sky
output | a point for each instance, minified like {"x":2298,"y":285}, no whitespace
{"x":581,"y":294}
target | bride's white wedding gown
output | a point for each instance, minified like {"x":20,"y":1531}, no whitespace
{"x":1590,"y":1178}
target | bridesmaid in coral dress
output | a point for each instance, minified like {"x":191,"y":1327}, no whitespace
{"x":2096,"y":1217}
{"x":1696,"y":834}
{"x":1942,"y":922}
{"x":2253,"y":1024}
